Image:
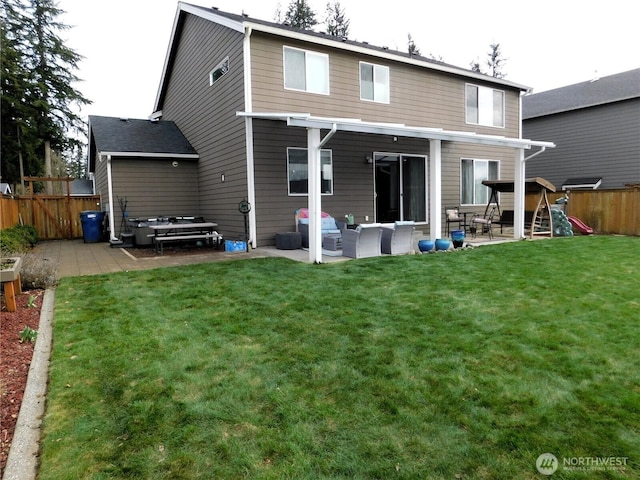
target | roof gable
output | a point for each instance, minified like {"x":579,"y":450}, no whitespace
{"x":613,"y":88}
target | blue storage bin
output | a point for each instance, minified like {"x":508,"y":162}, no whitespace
{"x":235,"y":246}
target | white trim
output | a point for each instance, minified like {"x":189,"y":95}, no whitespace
{"x":315,"y":198}
{"x":306,"y":120}
{"x":305,"y":149}
{"x":308,"y":74}
{"x":184,"y":156}
{"x":435,"y":189}
{"x":210,"y":14}
{"x":248,"y":105}
{"x":219,"y":66}
{"x":387,"y":101}
{"x":112,"y":226}
{"x":474,"y":160}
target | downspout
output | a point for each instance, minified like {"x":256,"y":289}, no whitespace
{"x":112,"y":237}
{"x":328,"y":136}
{"x":542,"y":149}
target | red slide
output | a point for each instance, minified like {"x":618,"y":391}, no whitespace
{"x":580,"y":225}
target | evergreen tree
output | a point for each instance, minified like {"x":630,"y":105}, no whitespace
{"x":412,"y":47}
{"x":18,"y":144}
{"x":37,"y":79}
{"x":336,"y":21}
{"x":300,"y":15}
{"x":494,"y":62}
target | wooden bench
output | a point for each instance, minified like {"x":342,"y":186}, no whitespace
{"x":160,"y":240}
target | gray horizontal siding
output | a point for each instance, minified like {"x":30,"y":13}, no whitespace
{"x":154,"y":188}
{"x":600,"y":141}
{"x":419,"y":96}
{"x":353,"y":189}
{"x":207,"y":116}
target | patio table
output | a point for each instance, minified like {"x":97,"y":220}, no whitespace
{"x":184,"y":231}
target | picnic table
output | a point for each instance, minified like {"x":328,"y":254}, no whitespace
{"x":184,"y":231}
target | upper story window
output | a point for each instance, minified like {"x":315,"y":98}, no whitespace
{"x":374,"y":82}
{"x":306,"y":71}
{"x":298,"y":171}
{"x":221,"y":69}
{"x":485,"y":106}
{"x":472,"y":173}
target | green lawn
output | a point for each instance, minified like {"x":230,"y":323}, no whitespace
{"x":457,"y":365}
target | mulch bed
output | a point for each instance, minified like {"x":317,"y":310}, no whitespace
{"x":15,"y":359}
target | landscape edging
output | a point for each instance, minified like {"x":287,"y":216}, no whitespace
{"x":22,"y":462}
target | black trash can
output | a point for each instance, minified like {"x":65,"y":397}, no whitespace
{"x":91,"y":225}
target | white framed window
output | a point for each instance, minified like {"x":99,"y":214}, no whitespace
{"x":298,"y":171}
{"x":219,"y":71}
{"x":472,"y":173}
{"x":374,"y":82}
{"x":306,"y":71}
{"x":484,"y":106}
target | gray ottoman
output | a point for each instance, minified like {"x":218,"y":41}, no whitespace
{"x":288,"y":240}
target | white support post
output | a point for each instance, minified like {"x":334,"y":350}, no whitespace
{"x":518,"y":194}
{"x":112,"y":223}
{"x":435,"y":189}
{"x":315,"y":195}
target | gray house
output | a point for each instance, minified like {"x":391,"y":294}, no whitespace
{"x":596,"y":128}
{"x":286,"y":118}
{"x":150,"y":164}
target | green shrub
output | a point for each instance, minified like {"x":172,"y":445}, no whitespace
{"x":17,"y":239}
{"x":36,"y":272}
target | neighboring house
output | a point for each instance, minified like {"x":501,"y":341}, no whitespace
{"x":596,"y":128}
{"x":381,"y":134}
{"x":80,"y":187}
{"x":148,"y":164}
{"x":5,"y":189}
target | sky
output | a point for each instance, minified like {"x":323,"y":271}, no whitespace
{"x":547,"y":44}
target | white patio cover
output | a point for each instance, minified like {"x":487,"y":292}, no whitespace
{"x":435,"y":136}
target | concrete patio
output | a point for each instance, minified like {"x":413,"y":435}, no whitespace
{"x":77,"y":258}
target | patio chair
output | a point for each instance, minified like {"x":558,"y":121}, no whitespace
{"x":362,"y":242}
{"x":330,"y":227}
{"x":484,"y":222}
{"x":397,"y":238}
{"x":453,"y":216}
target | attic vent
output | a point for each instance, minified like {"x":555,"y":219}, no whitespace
{"x":124,"y":119}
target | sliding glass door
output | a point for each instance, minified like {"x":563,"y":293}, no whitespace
{"x":401,"y":187}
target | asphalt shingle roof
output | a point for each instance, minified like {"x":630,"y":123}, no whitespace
{"x":112,"y":134}
{"x":613,"y":88}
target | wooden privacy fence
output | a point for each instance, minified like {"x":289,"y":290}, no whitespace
{"x":54,"y":217}
{"x":608,"y":211}
{"x":9,"y":212}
